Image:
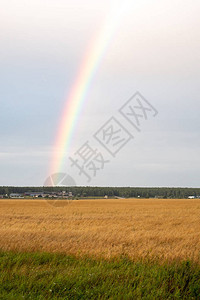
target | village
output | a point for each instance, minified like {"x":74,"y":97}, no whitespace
{"x":59,"y":195}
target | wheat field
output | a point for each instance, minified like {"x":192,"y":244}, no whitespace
{"x":168,"y":229}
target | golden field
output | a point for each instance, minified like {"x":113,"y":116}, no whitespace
{"x":139,"y":228}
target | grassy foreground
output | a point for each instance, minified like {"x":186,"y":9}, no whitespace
{"x":57,"y":276}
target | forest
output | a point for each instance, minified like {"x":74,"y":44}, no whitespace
{"x":111,"y":192}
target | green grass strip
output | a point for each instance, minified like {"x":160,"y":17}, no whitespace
{"x":57,"y":276}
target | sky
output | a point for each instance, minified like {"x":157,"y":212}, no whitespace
{"x":153,"y":49}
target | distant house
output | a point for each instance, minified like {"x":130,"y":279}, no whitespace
{"x":70,"y":194}
{"x":37,"y":195}
{"x":16,"y":196}
{"x":27,"y":194}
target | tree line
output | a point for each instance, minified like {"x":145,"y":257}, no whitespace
{"x":124,"y":192}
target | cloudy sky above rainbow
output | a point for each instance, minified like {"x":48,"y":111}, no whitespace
{"x":68,"y":66}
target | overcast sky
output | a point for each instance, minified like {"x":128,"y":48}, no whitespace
{"x":154,"y":50}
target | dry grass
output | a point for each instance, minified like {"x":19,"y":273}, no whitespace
{"x":139,"y":228}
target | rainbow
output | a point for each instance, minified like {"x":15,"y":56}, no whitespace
{"x":77,"y":96}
